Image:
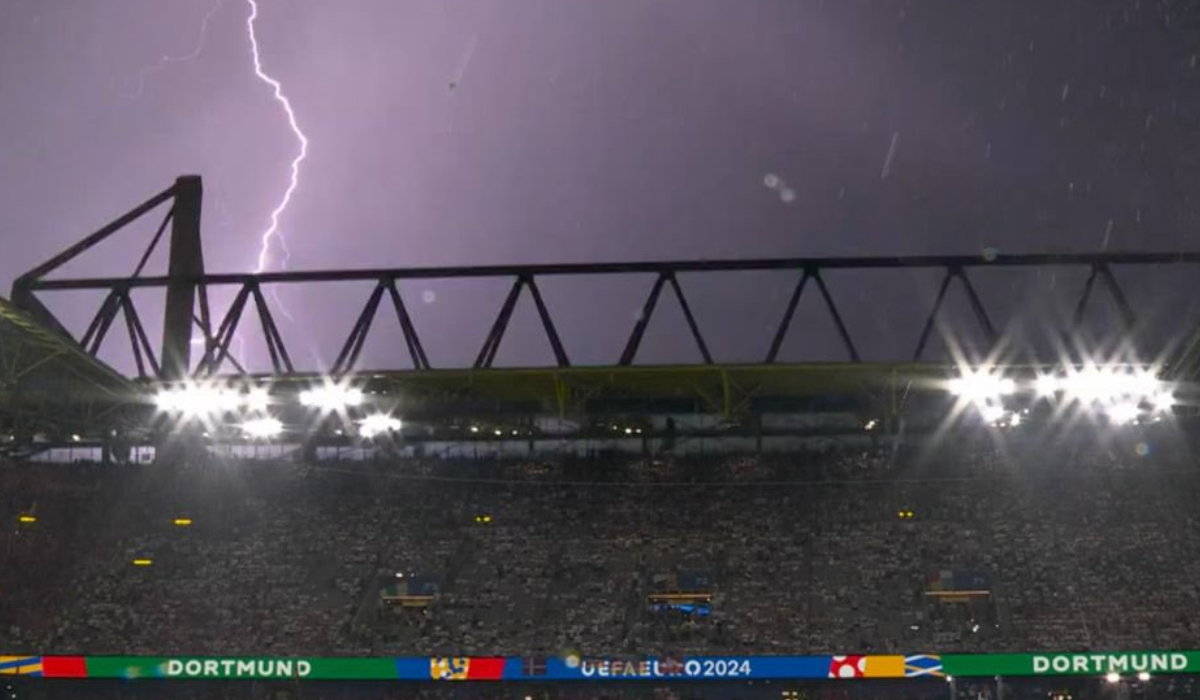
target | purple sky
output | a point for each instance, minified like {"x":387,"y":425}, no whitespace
{"x":475,"y":132}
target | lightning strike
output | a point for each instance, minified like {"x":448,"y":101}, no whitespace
{"x":272,"y":232}
{"x":168,"y":60}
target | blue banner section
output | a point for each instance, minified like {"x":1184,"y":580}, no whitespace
{"x":695,"y":667}
{"x":600,"y":669}
{"x":413,"y":668}
{"x":575,"y":668}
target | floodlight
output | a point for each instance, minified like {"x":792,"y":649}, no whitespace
{"x":1090,"y":384}
{"x":331,"y":397}
{"x":1162,"y":400}
{"x":1048,"y":385}
{"x":1144,"y":383}
{"x":1122,"y":413}
{"x":378,"y":424}
{"x":1143,"y":676}
{"x":991,"y":414}
{"x":1112,"y":677}
{"x":262,"y":428}
{"x":256,"y":400}
{"x":197,"y":400}
{"x":981,"y":386}
{"x":168,"y":400}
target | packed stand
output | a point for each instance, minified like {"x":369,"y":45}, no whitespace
{"x":807,"y":553}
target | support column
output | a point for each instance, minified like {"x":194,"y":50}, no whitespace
{"x":186,"y":261}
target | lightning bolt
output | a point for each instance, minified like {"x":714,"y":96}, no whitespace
{"x":168,"y":60}
{"x":272,"y":232}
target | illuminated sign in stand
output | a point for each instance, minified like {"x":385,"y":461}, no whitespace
{"x":515,"y":668}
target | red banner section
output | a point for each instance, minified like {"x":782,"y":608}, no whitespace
{"x":64,"y":667}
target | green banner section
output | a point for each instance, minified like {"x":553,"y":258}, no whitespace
{"x":1079,"y":664}
{"x":248,"y":667}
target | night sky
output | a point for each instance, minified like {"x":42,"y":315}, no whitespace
{"x":454,"y":132}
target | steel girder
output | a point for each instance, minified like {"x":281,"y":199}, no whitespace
{"x":188,"y":313}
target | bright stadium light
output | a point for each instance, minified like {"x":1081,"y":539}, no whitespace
{"x":256,"y":400}
{"x":1137,"y":384}
{"x":1144,"y":383}
{"x":1124,"y":413}
{"x":331,"y":397}
{"x":992,"y":414}
{"x":1089,"y":384}
{"x":1048,"y":385}
{"x":1112,"y":677}
{"x":167,"y":400}
{"x":981,"y":386}
{"x":378,"y":424}
{"x":195,"y":400}
{"x":1094,"y":384}
{"x":262,"y":428}
{"x":1143,"y":676}
{"x":1162,"y":400}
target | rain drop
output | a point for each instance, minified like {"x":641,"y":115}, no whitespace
{"x":771,"y":180}
{"x":788,"y":195}
{"x":891,"y":153}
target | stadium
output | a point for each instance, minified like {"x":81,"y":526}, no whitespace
{"x":898,"y":527}
{"x":873,"y":475}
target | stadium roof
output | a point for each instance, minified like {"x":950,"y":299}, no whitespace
{"x":39,"y":367}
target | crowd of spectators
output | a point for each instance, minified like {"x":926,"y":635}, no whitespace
{"x":1080,"y":547}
